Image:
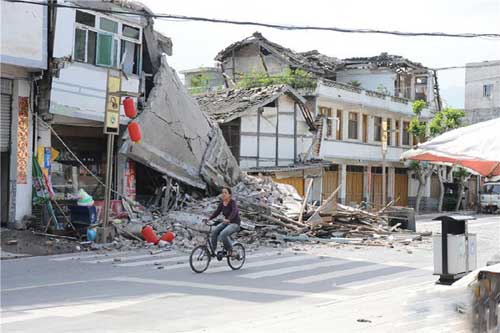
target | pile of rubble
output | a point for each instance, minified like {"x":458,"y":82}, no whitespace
{"x":272,"y":214}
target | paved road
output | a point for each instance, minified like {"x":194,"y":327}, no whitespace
{"x":324,"y":289}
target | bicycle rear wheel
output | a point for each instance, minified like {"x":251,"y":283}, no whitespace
{"x":199,"y":259}
{"x":238,"y":259}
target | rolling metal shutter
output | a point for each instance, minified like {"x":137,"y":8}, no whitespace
{"x":5,"y":114}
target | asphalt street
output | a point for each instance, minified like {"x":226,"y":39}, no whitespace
{"x":313,"y":288}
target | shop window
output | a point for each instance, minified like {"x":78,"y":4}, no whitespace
{"x":353,"y":125}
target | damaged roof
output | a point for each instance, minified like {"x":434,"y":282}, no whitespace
{"x":311,"y":61}
{"x":383,"y":60}
{"x":229,"y":104}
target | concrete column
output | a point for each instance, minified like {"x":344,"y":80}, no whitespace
{"x":20,"y":190}
{"x":367,"y":183}
{"x":360,"y":126}
{"x":391,"y":183}
{"x":343,"y":181}
{"x":371,"y":129}
{"x":121,"y":173}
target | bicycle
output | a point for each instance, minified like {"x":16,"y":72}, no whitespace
{"x":200,"y":257}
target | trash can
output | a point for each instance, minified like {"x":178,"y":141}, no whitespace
{"x":454,"y":250}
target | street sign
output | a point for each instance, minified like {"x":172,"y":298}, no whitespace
{"x":384,"y":135}
{"x":113,"y":101}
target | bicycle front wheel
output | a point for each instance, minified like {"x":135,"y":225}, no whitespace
{"x":199,"y":259}
{"x":238,"y":259}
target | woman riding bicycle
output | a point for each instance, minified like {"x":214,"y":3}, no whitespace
{"x":231,"y":224}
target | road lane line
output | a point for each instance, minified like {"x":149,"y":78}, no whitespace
{"x":130,"y":258}
{"x":51,"y":285}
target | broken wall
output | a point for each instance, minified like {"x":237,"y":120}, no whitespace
{"x":178,"y":139}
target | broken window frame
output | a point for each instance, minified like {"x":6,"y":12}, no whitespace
{"x":330,"y":121}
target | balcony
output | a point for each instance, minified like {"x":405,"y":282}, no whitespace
{"x":364,"y":152}
{"x":341,"y":92}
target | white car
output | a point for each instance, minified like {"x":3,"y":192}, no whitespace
{"x":490,"y":197}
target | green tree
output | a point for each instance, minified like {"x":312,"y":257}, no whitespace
{"x":444,"y":120}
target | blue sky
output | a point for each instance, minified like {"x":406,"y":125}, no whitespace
{"x":197,"y":43}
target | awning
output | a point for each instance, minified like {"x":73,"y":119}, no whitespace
{"x":475,"y":147}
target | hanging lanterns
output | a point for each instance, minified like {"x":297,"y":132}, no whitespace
{"x":134,"y":131}
{"x":129,"y":107}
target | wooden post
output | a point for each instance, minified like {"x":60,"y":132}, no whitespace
{"x":304,"y":203}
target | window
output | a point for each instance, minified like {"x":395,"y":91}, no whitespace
{"x":85,"y":46}
{"x":130,"y":57}
{"x":339,"y":125}
{"x":365,"y":128}
{"x":397,"y":134}
{"x":327,"y":112}
{"x":102,"y":43}
{"x":104,"y":50}
{"x":487,"y":90}
{"x":80,"y":44}
{"x":353,"y":125}
{"x":108,"y":25}
{"x":85,"y":18}
{"x":491,"y":189}
{"x":421,"y":88}
{"x":389,"y":121}
{"x":406,"y":133}
{"x":130,"y":32}
{"x":377,"y":135}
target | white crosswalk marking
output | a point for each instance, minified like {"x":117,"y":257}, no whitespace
{"x":183,"y":259}
{"x":262,"y":263}
{"x":130,"y":258}
{"x":402,"y":276}
{"x":335,"y":274}
{"x":301,"y":268}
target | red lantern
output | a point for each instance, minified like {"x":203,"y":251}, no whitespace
{"x":134,"y":131}
{"x":129,"y":107}
{"x":169,"y":236}
{"x":149,"y":235}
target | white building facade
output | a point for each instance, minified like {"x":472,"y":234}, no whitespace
{"x":482,"y":91}
{"x":23,"y":58}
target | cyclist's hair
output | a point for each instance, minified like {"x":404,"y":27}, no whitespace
{"x":228,"y":189}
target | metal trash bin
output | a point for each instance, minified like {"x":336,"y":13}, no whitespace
{"x":454,"y":249}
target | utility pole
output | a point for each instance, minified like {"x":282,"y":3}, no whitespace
{"x":111,"y":128}
{"x":436,"y":90}
{"x":384,"y":152}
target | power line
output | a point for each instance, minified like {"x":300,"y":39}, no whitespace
{"x":271,"y":25}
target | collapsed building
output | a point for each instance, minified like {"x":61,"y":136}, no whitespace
{"x":180,"y":147}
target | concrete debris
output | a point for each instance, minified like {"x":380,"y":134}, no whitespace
{"x":191,"y":148}
{"x":270,"y":217}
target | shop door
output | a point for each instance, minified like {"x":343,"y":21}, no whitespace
{"x":330,"y":184}
{"x":354,"y":189}
{"x":296,"y":182}
{"x":401,"y":189}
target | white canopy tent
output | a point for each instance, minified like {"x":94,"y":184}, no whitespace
{"x":475,"y":147}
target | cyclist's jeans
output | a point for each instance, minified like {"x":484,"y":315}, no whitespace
{"x":222,"y":232}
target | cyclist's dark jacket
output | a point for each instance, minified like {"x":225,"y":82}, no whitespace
{"x":230,"y":212}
